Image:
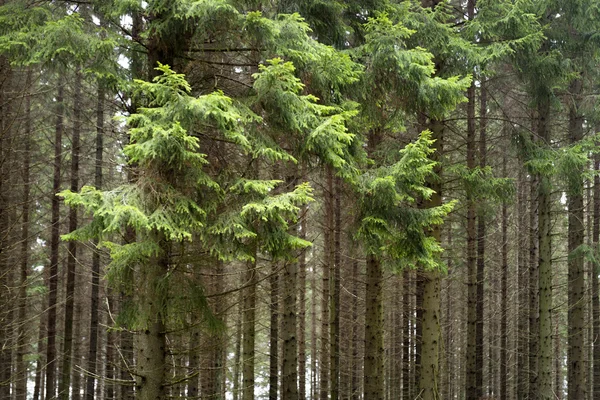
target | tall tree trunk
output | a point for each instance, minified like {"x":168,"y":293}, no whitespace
{"x":373,"y":355}
{"x":533,"y":291}
{"x":302,"y":307}
{"x":324,"y":378}
{"x":51,"y":358}
{"x":38,"y":388}
{"x":21,"y":363}
{"x":544,"y":388}
{"x":289,"y":389}
{"x":238,"y":348}
{"x":95,"y":298}
{"x":274,"y":333}
{"x":480,"y":278}
{"x":522,"y":370}
{"x":356,"y":367}
{"x":373,"y":368}
{"x":65,"y":381}
{"x":313,"y":334}
{"x":474,"y":370}
{"x":334,"y":304}
{"x":595,"y":286}
{"x":406,"y":334}
{"x":504,"y":295}
{"x":249,"y":321}
{"x":150,"y":340}
{"x":429,"y":374}
{"x":576,"y":314}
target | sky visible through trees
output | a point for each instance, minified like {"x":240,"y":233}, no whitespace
{"x":313,"y":199}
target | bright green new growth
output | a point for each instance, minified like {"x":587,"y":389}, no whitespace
{"x":390,"y":224}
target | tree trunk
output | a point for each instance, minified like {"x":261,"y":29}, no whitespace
{"x":334,"y":304}
{"x":324,"y":358}
{"x":249,"y":320}
{"x":95,"y":298}
{"x":480,"y":278}
{"x":274,"y":333}
{"x":474,"y":370}
{"x":429,"y":371}
{"x":65,"y":381}
{"x":238,"y":349}
{"x":289,"y":389}
{"x":356,"y":367}
{"x":150,"y":339}
{"x":504,"y":296}
{"x":544,"y":381}
{"x":522,"y":375}
{"x":302,"y":307}
{"x":51,"y":358}
{"x":406,"y":334}
{"x":373,"y":368}
{"x":21,"y":363}
{"x":576,"y":316}
{"x":533,"y":289}
{"x":595,"y":286}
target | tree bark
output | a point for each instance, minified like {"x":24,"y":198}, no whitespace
{"x":474,"y":370}
{"x":274,"y":333}
{"x":595,"y":286}
{"x":334,"y":304}
{"x":65,"y":381}
{"x":544,"y":387}
{"x":324,"y":357}
{"x":21,"y":363}
{"x":480,"y":278}
{"x":504,"y":296}
{"x":95,"y":298}
{"x":576,"y":315}
{"x":51,"y":358}
{"x":249,"y":321}
{"x":150,"y":340}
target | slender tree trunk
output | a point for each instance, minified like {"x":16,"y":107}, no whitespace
{"x":67,"y":363}
{"x":522,"y":370}
{"x":274,"y":333}
{"x":544,"y":380}
{"x":249,"y":321}
{"x":334,"y":304}
{"x":38,"y":388}
{"x":313,"y":334}
{"x":533,"y":291}
{"x":373,"y":368}
{"x":238,"y":348}
{"x":373,"y":355}
{"x":474,"y":370}
{"x":356,"y":367}
{"x":406,"y":333}
{"x":576,"y":315}
{"x":504,"y":296}
{"x":480,"y":278}
{"x":194,"y":361}
{"x":324,"y":357}
{"x":21,"y":363}
{"x":51,"y":358}
{"x":289,"y":389}
{"x":595,"y":286}
{"x":302,"y":308}
{"x":95,"y":298}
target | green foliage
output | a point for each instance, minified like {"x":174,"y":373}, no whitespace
{"x":316,"y":129}
{"x":389,"y":223}
{"x":481,"y":183}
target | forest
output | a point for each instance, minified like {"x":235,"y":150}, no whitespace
{"x":312,"y":199}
